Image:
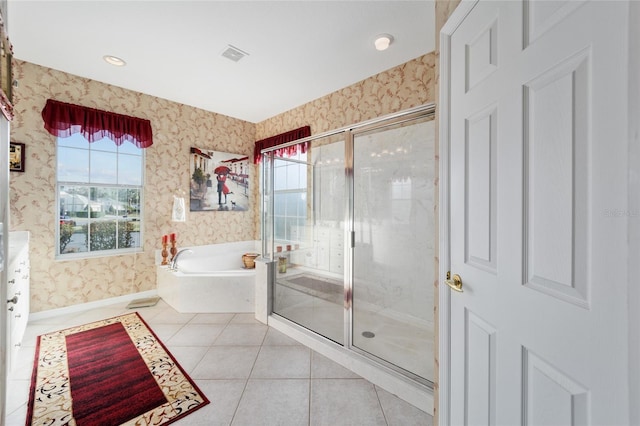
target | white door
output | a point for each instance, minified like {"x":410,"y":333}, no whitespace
{"x":536,"y":142}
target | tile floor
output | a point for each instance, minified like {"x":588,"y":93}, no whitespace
{"x":252,"y":374}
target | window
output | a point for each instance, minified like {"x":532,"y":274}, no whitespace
{"x":290,"y":197}
{"x":99,"y":203}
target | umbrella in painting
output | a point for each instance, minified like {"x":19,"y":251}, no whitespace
{"x":222,"y":170}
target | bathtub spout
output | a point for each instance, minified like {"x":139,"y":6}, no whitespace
{"x":174,"y":263}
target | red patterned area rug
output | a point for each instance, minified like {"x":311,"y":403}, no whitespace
{"x":110,"y":372}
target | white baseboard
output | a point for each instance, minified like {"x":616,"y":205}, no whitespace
{"x":90,"y":305}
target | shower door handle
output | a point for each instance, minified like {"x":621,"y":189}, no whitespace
{"x":454,"y":283}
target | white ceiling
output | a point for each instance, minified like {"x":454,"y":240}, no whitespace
{"x":298,"y":50}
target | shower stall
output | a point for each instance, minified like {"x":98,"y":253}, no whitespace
{"x":350,"y":226}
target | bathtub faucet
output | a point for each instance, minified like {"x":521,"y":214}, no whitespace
{"x":174,"y":263}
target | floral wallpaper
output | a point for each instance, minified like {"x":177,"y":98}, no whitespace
{"x":176,"y":127}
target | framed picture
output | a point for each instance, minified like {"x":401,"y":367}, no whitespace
{"x":219,"y":181}
{"x":16,"y":157}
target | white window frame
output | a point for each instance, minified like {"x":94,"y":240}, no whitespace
{"x":98,"y":253}
{"x":300,"y":190}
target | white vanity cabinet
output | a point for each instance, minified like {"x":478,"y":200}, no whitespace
{"x":17,"y":291}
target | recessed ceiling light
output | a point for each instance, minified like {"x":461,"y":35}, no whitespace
{"x":383,"y":41}
{"x":114,"y":60}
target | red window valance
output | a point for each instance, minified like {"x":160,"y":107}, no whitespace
{"x":283,"y":138}
{"x":63,"y":120}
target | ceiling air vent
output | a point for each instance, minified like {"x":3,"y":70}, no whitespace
{"x":233,"y":53}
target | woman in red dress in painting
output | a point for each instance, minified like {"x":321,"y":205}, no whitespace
{"x":222,"y":188}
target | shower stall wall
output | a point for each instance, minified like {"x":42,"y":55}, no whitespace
{"x":350,"y":224}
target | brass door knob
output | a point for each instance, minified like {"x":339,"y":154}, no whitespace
{"x":455,"y":282}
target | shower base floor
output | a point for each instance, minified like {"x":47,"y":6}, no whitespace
{"x":329,"y":289}
{"x":315,"y":302}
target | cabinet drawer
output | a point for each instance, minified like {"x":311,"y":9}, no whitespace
{"x":18,"y":276}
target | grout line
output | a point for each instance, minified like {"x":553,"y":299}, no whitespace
{"x":384,"y":415}
{"x":246,"y":383}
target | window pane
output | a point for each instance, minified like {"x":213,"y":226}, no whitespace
{"x":72,"y":209}
{"x":73,"y":165}
{"x":292,"y":204}
{"x":128,"y":234}
{"x":129,"y":148}
{"x":104,"y":144}
{"x":73,"y":201}
{"x":293,"y":174}
{"x":289,"y":197}
{"x":130,"y":169}
{"x":279,"y":179}
{"x":129,"y":228}
{"x":131,"y":199}
{"x":279,"y":228}
{"x":95,"y":207}
{"x":104,"y":167}
{"x":75,"y":140}
{"x":279,"y":203}
{"x":73,"y":238}
{"x":302,"y":204}
{"x":102,"y":235}
{"x":291,"y":223}
{"x":108,"y":199}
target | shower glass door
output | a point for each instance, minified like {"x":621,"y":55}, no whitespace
{"x":308,"y":215}
{"x":394,"y":251}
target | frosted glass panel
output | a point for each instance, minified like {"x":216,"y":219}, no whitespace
{"x":393,"y":224}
